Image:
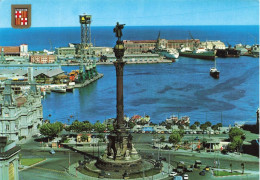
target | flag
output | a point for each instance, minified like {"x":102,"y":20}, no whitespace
{"x":21,"y":16}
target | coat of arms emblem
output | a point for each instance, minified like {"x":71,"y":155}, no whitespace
{"x":21,"y":16}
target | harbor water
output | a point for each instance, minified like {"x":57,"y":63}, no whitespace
{"x":160,"y":90}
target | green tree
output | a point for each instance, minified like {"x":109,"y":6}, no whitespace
{"x":175,"y":137}
{"x":77,"y":126}
{"x":162,"y":138}
{"x":181,"y":132}
{"x":193,"y":127}
{"x":110,"y":127}
{"x":203,"y":127}
{"x":235,"y":132}
{"x":197,"y":123}
{"x":168,"y":126}
{"x":219,"y":125}
{"x":214,"y":127}
{"x":208,"y":124}
{"x":51,"y":130}
{"x":87,"y":126}
{"x":84,"y":137}
{"x":99,"y":127}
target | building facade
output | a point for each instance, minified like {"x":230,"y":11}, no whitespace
{"x":65,"y":51}
{"x":20,"y":115}
{"x":142,"y":46}
{"x":10,"y":50}
{"x":24,"y":50}
{"x":42,"y":59}
{"x":8,"y":159}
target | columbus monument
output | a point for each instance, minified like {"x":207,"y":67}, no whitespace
{"x":120,"y":154}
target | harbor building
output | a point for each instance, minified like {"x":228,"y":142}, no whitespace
{"x":10,"y":50}
{"x":20,"y":115}
{"x":24,"y":50}
{"x":8,"y":159}
{"x":143,"y":46}
{"x":213,"y":45}
{"x":42,"y":59}
{"x":65,"y":51}
{"x":136,"y":58}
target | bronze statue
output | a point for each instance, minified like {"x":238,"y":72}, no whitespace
{"x":118,"y":30}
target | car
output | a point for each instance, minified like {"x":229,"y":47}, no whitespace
{"x":197,"y":138}
{"x":202,"y":173}
{"x":172,"y":174}
{"x":52,"y":151}
{"x":177,"y":178}
{"x":207,"y":168}
{"x":185,"y":176}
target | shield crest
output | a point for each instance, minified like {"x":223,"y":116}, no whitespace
{"x":21,"y":16}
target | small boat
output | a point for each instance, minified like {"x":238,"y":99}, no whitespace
{"x":214,"y":72}
{"x":69,"y":88}
{"x":59,"y":89}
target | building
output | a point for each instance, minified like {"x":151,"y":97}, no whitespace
{"x":65,"y":51}
{"x":142,"y":46}
{"x":24,"y":50}
{"x":211,"y":44}
{"x":20,"y":115}
{"x":8,"y":159}
{"x":136,"y":58}
{"x":10,"y":50}
{"x":42,"y":59}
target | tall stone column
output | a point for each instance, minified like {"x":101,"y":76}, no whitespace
{"x":120,"y":125}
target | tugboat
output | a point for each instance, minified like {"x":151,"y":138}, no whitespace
{"x":214,"y":72}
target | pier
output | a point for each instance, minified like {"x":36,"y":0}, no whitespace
{"x":88,"y":81}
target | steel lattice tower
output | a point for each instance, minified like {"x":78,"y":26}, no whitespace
{"x":85,"y":21}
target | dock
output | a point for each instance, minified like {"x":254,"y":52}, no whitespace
{"x":87,"y":82}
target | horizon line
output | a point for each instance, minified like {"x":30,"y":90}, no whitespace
{"x":135,"y":26}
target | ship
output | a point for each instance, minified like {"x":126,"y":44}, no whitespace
{"x":214,"y":72}
{"x":167,"y":53}
{"x":200,"y":53}
{"x":59,"y":89}
{"x":229,"y":52}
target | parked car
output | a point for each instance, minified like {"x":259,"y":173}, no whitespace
{"x":177,"y":178}
{"x":172,"y":174}
{"x":202,"y":173}
{"x":197,"y":138}
{"x":207,"y":168}
{"x":52,"y":151}
{"x":185,"y":176}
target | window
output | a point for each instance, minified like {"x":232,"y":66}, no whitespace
{"x":7,"y":127}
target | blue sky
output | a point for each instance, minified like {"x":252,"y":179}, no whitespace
{"x":64,"y":13}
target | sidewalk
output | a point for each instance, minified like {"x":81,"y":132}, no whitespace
{"x":164,"y":174}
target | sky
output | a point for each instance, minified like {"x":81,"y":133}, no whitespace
{"x":64,"y":13}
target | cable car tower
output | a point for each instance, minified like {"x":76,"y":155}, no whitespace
{"x":85,"y":21}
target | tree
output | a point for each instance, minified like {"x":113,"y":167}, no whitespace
{"x":235,"y":132}
{"x":193,"y":127}
{"x":162,"y":138}
{"x":175,"y":137}
{"x":203,"y":127}
{"x":110,"y":127}
{"x":230,"y":167}
{"x":208,"y":124}
{"x":181,"y":132}
{"x":168,"y":126}
{"x":99,"y":127}
{"x":77,"y":126}
{"x":51,"y":130}
{"x":87,"y":126}
{"x":180,"y":126}
{"x":197,"y":123}
{"x":84,"y":137}
{"x":214,"y":127}
{"x":219,"y":124}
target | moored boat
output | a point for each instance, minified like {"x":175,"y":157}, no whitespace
{"x":59,"y":89}
{"x":214,"y":72}
{"x":69,"y":88}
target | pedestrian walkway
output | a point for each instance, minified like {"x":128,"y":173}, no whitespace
{"x":164,"y":174}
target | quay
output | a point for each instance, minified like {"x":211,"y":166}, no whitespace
{"x":88,"y":81}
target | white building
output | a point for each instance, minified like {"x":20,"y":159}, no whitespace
{"x":210,"y":44}
{"x":20,"y":115}
{"x":24,"y":50}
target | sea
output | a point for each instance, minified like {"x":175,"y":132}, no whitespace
{"x":182,"y":88}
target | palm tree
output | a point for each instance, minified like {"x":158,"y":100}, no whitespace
{"x":231,"y":167}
